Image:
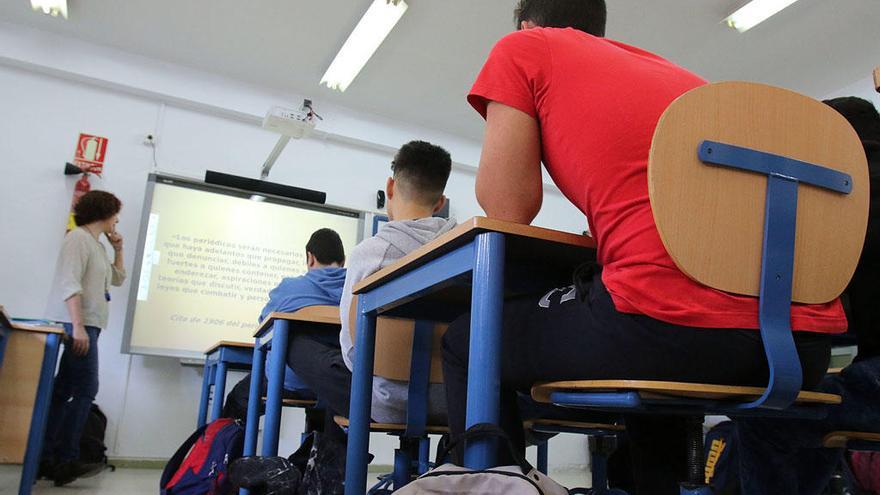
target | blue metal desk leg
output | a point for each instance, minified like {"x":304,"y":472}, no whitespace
{"x":361,"y":400}
{"x":275,"y":385}
{"x":484,"y":364}
{"x":543,"y":457}
{"x":253,"y":412}
{"x":206,"y":396}
{"x":40,"y":415}
{"x":219,"y":388}
{"x":424,"y":455}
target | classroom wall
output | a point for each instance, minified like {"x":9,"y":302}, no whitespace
{"x":53,"y":87}
{"x":863,"y":88}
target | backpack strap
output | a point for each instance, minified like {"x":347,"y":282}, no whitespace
{"x":483,"y":430}
{"x":175,"y":461}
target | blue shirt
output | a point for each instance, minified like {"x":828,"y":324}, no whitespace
{"x":322,"y":287}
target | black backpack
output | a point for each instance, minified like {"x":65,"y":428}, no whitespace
{"x":91,"y":445}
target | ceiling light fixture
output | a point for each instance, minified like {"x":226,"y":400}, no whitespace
{"x":51,"y":7}
{"x":369,"y":33}
{"x":755,"y":12}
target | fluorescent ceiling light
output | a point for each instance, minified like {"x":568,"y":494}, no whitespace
{"x":370,"y":32}
{"x":51,"y":7}
{"x":756,"y":12}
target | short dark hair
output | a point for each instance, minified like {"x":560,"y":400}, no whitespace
{"x":588,"y":16}
{"x":326,"y":246}
{"x":861,"y":114}
{"x":95,"y":206}
{"x":423,"y":170}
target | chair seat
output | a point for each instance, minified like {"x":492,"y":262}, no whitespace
{"x":574,"y":425}
{"x":296,"y":402}
{"x":840,"y":439}
{"x":657,"y":390}
{"x":392,"y":427}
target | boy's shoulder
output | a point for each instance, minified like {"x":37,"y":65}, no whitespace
{"x":368,"y":246}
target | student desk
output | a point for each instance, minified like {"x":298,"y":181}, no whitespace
{"x":272,"y":336}
{"x":474,"y":266}
{"x":219,"y":359}
{"x":26,"y":378}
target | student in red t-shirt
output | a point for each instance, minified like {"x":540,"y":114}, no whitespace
{"x":558,"y":92}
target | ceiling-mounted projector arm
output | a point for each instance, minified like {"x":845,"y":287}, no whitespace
{"x":276,"y":151}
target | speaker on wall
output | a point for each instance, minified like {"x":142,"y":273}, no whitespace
{"x":261,"y":186}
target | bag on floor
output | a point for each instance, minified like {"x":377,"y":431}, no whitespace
{"x":721,"y":465}
{"x":866,"y":469}
{"x":449,"y":479}
{"x":91,"y":444}
{"x":200,"y":465}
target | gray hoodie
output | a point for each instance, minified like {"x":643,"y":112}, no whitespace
{"x":392,"y":242}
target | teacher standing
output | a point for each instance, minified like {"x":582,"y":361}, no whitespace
{"x":81,"y":298}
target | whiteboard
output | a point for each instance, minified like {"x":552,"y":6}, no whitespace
{"x":207,"y":257}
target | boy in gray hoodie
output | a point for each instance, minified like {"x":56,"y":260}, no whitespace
{"x":415,"y":193}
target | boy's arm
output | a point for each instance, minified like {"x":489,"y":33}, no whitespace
{"x":365,"y":259}
{"x":509,"y":184}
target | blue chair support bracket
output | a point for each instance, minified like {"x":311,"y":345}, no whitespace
{"x":728,"y":155}
{"x":784,"y":175}
{"x":597,"y":400}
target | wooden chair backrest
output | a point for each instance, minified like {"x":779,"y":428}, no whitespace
{"x":394,"y":339}
{"x":711,"y":218}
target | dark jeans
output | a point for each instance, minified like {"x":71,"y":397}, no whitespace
{"x":76,"y":385}
{"x":783,"y":457}
{"x":549,"y":340}
{"x":316,"y":358}
{"x":236,"y":404}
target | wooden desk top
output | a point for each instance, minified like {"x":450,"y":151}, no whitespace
{"x":524,"y":241}
{"x":24,"y":327}
{"x":328,"y":315}
{"x":229,"y":343}
{"x":7,"y":322}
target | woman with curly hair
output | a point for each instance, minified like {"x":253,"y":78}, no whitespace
{"x":80,"y":297}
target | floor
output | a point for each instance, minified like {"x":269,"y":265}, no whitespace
{"x":146,"y":482}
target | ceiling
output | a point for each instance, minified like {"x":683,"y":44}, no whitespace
{"x":426,"y":65}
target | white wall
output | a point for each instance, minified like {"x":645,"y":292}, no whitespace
{"x":863,"y":88}
{"x":52,"y":88}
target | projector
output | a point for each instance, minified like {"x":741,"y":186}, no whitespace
{"x":292,"y":123}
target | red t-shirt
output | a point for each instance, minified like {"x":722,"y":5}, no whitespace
{"x":598,"y":102}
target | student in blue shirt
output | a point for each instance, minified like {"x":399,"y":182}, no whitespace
{"x":320,"y":286}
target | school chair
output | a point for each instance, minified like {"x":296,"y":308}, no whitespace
{"x":406,"y":351}
{"x":757,"y":191}
{"x":602,"y":443}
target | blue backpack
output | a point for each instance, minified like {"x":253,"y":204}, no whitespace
{"x":200,"y":466}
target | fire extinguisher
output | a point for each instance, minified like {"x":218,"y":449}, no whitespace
{"x":82,"y":186}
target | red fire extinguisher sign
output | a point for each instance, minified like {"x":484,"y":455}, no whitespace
{"x":90,"y":153}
